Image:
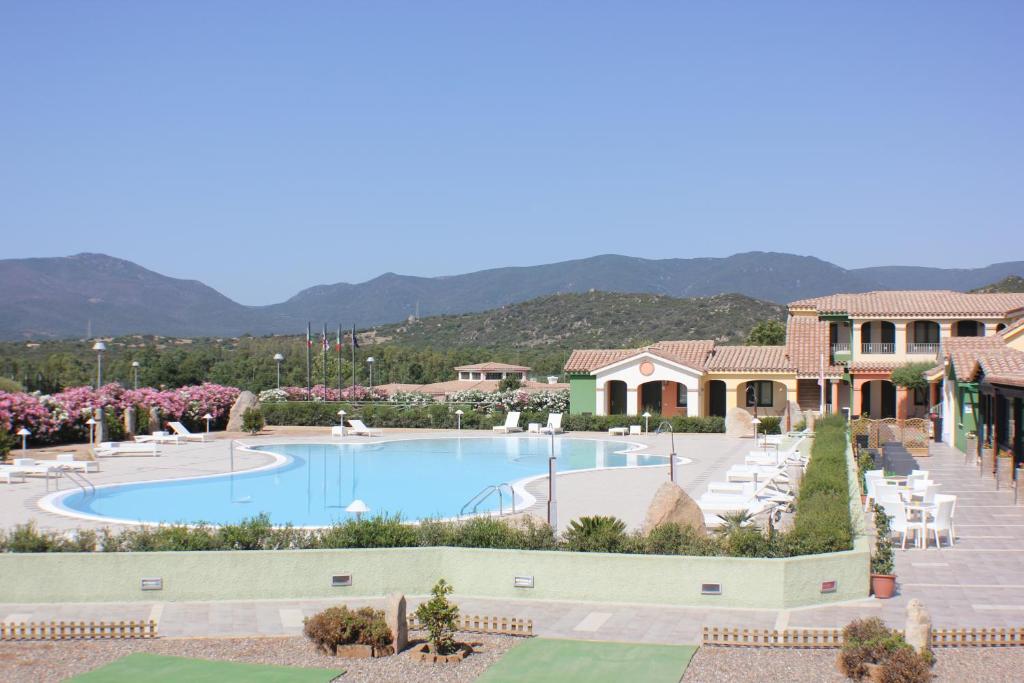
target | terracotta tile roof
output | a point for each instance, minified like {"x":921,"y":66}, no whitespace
{"x":1012,"y":328}
{"x":492,"y":367}
{"x":692,"y":353}
{"x":587,"y":360}
{"x":750,"y":358}
{"x":874,"y":366}
{"x":914,"y":303}
{"x":1013,"y":379}
{"x":964,"y":352}
{"x":806,"y":342}
{"x":452,"y":386}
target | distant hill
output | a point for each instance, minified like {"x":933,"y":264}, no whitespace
{"x":594,"y":319}
{"x":1008,"y":285}
{"x":63,"y":297}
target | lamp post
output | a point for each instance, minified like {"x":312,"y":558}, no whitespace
{"x":552,"y":491}
{"x":207,"y":417}
{"x":358,"y":507}
{"x":755,"y":422}
{"x":135,"y":371}
{"x":369,"y":361}
{"x":458,"y":419}
{"x":24,"y":434}
{"x":278,"y":358}
{"x":341,"y":419}
{"x":92,"y":429}
{"x":647,"y":422}
{"x":99,"y":347}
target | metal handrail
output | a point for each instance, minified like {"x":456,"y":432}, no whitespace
{"x":485,"y":493}
{"x":79,"y":479}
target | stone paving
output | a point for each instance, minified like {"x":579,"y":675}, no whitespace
{"x":975,"y":583}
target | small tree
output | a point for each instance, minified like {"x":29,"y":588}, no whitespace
{"x":510,"y":383}
{"x":252,"y":420}
{"x":439,"y":617}
{"x":911,"y":375}
{"x":767,"y":333}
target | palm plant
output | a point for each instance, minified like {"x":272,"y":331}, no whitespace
{"x":735,"y":521}
{"x":597,"y":533}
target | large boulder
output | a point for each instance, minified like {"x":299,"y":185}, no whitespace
{"x":394,"y":615}
{"x":918,"y":633}
{"x":245,"y":400}
{"x":673,"y":504}
{"x":739,"y":422}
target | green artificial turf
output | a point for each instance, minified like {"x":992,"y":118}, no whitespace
{"x":163,"y":669}
{"x":541,"y":659}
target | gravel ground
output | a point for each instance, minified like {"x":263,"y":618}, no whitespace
{"x":756,"y":665}
{"x":39,"y":662}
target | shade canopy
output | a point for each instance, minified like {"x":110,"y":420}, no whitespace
{"x":24,"y":432}
{"x":99,"y":346}
{"x":357,"y":506}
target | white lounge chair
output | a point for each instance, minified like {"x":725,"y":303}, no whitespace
{"x":67,"y":461}
{"x":634,"y":430}
{"x":111,"y":448}
{"x":9,"y":473}
{"x":359,"y":429}
{"x":511,"y":424}
{"x":618,"y":431}
{"x":29,"y":466}
{"x":182,"y":431}
{"x":337,"y":430}
{"x":158,"y":437}
{"x":554,"y":425}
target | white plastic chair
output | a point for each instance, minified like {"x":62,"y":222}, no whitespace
{"x":919,"y":472}
{"x":887,"y":493}
{"x":899,"y":523}
{"x":943,"y":497}
{"x":942,"y":522}
{"x":871,"y":480}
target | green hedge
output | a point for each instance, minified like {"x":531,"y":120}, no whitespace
{"x":822,"y":521}
{"x":442,"y":416}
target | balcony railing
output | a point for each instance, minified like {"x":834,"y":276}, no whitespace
{"x":931,"y":348}
{"x":878,"y":347}
{"x":841,"y":347}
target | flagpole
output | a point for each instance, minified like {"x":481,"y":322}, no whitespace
{"x":338,"y":349}
{"x":309,"y":367}
{"x":324,"y":345}
{"x":353,"y":397}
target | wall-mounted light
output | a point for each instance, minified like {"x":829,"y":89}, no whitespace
{"x":711,"y":589}
{"x":152,"y":584}
{"x":523,"y":582}
{"x":341,"y":580}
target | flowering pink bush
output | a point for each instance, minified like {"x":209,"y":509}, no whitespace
{"x":67,"y":412}
{"x":319,"y":393}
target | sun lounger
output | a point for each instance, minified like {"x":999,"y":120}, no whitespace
{"x":109,"y":448}
{"x":511,"y":423}
{"x":30,"y":466}
{"x":337,"y":430}
{"x":9,"y":473}
{"x":618,"y":431}
{"x":554,"y":425}
{"x":67,"y":461}
{"x":359,"y":429}
{"x":182,"y":431}
{"x":158,"y":437}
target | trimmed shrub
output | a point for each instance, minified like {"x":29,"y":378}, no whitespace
{"x":596,"y":534}
{"x":822,"y":522}
{"x":870,"y":641}
{"x":770,"y":424}
{"x":439,"y":617}
{"x":252,"y":420}
{"x":906,"y":666}
{"x":337,"y":626}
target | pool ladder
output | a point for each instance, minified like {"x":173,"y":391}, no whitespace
{"x":485,"y":493}
{"x":88,"y":488}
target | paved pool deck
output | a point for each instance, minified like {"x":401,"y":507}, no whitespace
{"x":622,"y":492}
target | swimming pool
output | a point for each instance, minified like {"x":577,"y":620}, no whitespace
{"x":313,"y":483}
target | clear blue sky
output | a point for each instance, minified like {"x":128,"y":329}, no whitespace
{"x":266,"y":147}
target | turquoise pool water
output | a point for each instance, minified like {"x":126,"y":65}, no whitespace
{"x":417,"y":478}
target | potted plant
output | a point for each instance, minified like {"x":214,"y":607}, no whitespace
{"x":883,"y":581}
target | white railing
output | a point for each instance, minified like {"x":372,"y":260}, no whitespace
{"x":840,"y":347}
{"x":878,"y":347}
{"x":931,"y":348}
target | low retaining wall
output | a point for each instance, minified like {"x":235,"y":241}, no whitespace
{"x":288,"y":574}
{"x":555,"y":575}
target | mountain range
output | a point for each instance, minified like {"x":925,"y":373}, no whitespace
{"x":100,"y":295}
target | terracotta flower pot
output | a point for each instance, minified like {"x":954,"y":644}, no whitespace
{"x":883,"y":585}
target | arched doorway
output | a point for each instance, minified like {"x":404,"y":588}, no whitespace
{"x":878,"y":399}
{"x":650,"y":397}
{"x":878,"y":336}
{"x":716,"y":398}
{"x":615,"y":391}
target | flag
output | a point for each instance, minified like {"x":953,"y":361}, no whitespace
{"x":325,"y":344}
{"x":337,"y":343}
{"x":355,"y":342}
{"x":309,"y":340}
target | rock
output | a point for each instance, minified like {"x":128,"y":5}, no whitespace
{"x":154,"y":420}
{"x":919,"y":626}
{"x":739,"y":422}
{"x":245,"y":400}
{"x":673,"y":504}
{"x":394,"y":615}
{"x":129,"y":420}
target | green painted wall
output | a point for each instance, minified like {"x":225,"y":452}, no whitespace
{"x":582,"y":394}
{"x":967,"y":394}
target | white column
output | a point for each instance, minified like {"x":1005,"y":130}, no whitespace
{"x":901,"y":337}
{"x":632,"y":401}
{"x":600,"y":408}
{"x":694,"y":407}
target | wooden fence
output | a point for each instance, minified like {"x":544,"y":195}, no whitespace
{"x":833,"y":637}
{"x":77,"y":630}
{"x":479,"y":624}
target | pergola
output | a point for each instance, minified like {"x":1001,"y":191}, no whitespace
{"x":1002,"y":414}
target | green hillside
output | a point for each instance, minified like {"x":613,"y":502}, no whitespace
{"x":1010,"y":284}
{"x":594,"y":319}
